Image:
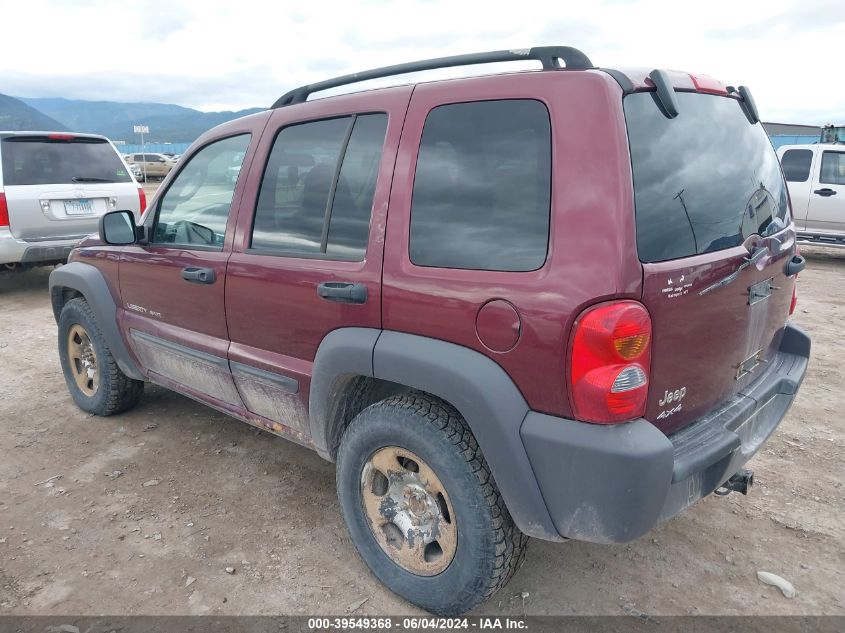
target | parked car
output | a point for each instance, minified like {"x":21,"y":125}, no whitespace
{"x":815,"y":175}
{"x":54,"y":187}
{"x":137,"y":174}
{"x":445,"y":289}
{"x":152,"y":165}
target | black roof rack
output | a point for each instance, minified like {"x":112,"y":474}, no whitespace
{"x":547,"y":55}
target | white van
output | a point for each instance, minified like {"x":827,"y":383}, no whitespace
{"x":815,"y":175}
{"x":54,"y":186}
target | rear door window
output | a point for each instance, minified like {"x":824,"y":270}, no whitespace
{"x":796,"y":164}
{"x":41,"y":160}
{"x":703,"y":181}
{"x":316,"y":195}
{"x":833,"y":168}
{"x":481,"y":197}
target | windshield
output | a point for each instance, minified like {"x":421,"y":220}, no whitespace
{"x":38,"y":160}
{"x":703,"y":181}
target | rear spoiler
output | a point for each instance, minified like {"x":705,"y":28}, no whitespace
{"x":668,"y":103}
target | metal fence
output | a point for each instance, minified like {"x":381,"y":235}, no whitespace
{"x":782,"y":139}
{"x":154,"y":148}
{"x":179,"y":148}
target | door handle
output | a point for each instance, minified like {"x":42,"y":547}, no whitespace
{"x":342,"y":291}
{"x":199,"y":275}
{"x":795,"y":265}
{"x":826,"y":192}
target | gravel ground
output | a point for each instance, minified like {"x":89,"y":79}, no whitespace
{"x":143,"y":513}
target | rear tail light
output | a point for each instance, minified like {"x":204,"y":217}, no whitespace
{"x":61,"y":137}
{"x":610,"y":360}
{"x":794,"y":301}
{"x":4,"y":211}
{"x":142,"y":199}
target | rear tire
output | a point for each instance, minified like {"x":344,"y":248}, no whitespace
{"x":93,"y":378}
{"x":489,"y":548}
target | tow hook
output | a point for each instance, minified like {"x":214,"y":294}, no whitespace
{"x":740,"y":482}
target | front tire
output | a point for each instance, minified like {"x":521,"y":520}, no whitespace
{"x":422,"y":507}
{"x":93,"y":378}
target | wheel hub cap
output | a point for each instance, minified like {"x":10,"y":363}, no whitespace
{"x":82,"y":360}
{"x":409,"y":511}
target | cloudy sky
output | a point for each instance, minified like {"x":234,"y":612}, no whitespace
{"x":221,"y":55}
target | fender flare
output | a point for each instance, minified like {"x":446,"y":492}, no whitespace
{"x":474,"y":384}
{"x":342,"y":355}
{"x":90,"y":283}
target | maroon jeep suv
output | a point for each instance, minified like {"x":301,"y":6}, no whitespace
{"x":547,"y":303}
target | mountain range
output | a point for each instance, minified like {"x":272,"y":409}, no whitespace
{"x":167,"y":122}
{"x":16,"y":115}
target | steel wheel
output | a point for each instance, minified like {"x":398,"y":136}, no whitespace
{"x":409,"y":511}
{"x":83,"y":360}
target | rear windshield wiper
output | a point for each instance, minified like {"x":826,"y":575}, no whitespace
{"x":755,"y":257}
{"x":90,"y":179}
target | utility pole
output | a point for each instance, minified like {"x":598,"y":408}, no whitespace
{"x":142,"y":129}
{"x":680,"y":197}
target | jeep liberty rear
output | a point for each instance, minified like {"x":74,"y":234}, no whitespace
{"x":709,"y":198}
{"x":548,"y":304}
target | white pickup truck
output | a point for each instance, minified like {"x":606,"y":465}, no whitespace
{"x":815,"y":175}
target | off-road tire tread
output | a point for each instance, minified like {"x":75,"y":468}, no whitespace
{"x":124,"y":392}
{"x":511,"y":544}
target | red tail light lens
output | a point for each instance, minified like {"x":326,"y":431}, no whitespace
{"x":610,"y":360}
{"x":794,"y":301}
{"x":61,"y":137}
{"x":4,"y":211}
{"x":142,"y":199}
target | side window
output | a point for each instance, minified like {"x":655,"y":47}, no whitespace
{"x":316,"y":195}
{"x":796,"y":164}
{"x":833,"y":168}
{"x":195,"y":208}
{"x":349,"y":226}
{"x":481,"y":197}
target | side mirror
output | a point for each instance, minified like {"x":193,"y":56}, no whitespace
{"x":118,"y":228}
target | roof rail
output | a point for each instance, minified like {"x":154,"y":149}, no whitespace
{"x":547,"y":55}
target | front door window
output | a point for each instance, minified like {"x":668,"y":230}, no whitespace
{"x":195,"y":209}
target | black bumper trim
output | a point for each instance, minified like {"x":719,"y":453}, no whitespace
{"x":611,"y":484}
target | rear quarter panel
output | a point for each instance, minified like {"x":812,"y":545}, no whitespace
{"x":592,"y":248}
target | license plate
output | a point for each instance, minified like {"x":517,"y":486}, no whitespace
{"x":82,"y":206}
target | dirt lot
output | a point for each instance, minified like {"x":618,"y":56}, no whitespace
{"x":143,"y":513}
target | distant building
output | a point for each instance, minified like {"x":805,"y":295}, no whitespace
{"x":789,"y":129}
{"x":791,"y":134}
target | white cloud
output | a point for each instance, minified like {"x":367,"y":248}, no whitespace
{"x":220,"y":54}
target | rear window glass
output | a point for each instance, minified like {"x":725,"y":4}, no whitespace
{"x":703,"y":181}
{"x":482,"y":188}
{"x":796,"y":164}
{"x":42,"y":161}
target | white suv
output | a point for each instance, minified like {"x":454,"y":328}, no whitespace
{"x":54,"y":186}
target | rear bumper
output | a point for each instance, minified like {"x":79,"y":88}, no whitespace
{"x":15,"y":251}
{"x":822,"y":238}
{"x":611,"y":484}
